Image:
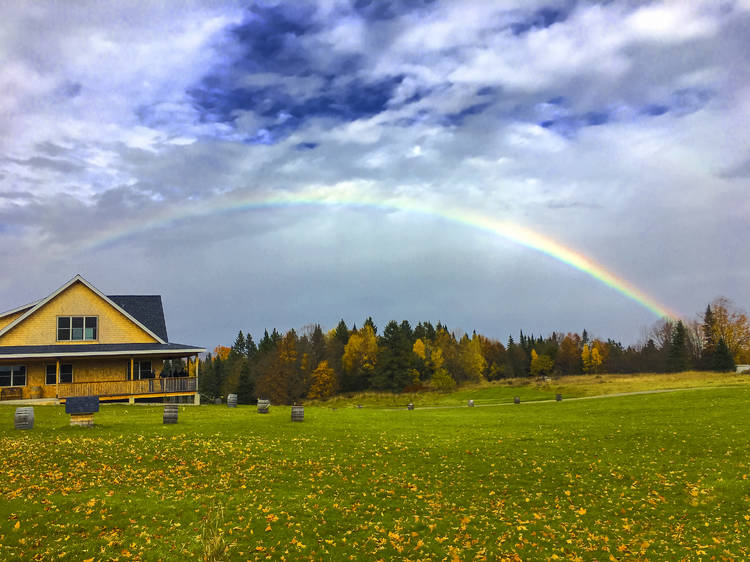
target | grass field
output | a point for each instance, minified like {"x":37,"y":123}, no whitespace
{"x":660,"y":477}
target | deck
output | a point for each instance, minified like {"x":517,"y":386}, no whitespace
{"x":115,"y":390}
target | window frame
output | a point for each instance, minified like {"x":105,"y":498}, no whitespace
{"x":137,"y":369}
{"x":47,"y":374}
{"x":14,"y":373}
{"x":63,"y":368}
{"x":85,"y":320}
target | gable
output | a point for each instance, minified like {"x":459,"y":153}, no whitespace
{"x":76,"y":299}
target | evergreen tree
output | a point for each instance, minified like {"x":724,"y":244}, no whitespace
{"x":679,"y":357}
{"x":266,"y":344}
{"x":709,"y":345}
{"x":369,"y":322}
{"x":250,"y":347}
{"x":239,"y":348}
{"x":395,"y":368}
{"x":722,"y":357}
{"x":317,"y":347}
{"x":245,"y":386}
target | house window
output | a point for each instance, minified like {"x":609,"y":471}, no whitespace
{"x":13,"y":375}
{"x":51,"y":374}
{"x":66,"y":373}
{"x":141,"y":370}
{"x":77,"y":328}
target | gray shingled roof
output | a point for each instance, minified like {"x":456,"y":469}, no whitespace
{"x":97,"y":348}
{"x":147,"y":309}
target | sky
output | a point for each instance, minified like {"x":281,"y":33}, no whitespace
{"x":277,"y":164}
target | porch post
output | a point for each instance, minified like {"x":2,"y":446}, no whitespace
{"x":131,"y":400}
{"x":197,"y":394}
{"x":57,"y":376}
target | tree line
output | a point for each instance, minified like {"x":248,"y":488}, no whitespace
{"x":287,"y":368}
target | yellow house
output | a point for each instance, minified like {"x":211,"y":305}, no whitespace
{"x":80,"y":342}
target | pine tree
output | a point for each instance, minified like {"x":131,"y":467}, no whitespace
{"x":679,"y":357}
{"x":395,"y":369}
{"x":709,"y":344}
{"x":250,"y":347}
{"x":722,"y":357}
{"x":245,"y":386}
{"x":239,"y":348}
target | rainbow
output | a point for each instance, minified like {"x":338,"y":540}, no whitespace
{"x":345,"y":196}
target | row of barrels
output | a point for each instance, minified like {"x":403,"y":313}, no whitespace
{"x":470,"y":403}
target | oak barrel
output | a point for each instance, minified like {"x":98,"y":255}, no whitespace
{"x":24,"y":417}
{"x":170,"y":413}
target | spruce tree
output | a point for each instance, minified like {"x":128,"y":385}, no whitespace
{"x":679,"y":357}
{"x":709,"y":344}
{"x":722,"y":357}
{"x":245,"y":386}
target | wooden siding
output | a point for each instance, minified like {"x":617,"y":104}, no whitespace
{"x":5,"y":320}
{"x":77,"y":300}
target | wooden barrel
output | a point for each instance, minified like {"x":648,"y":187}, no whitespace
{"x":410,"y":406}
{"x":232,"y":400}
{"x":82,"y":420}
{"x":516,"y":400}
{"x":263,"y":406}
{"x":471,"y":404}
{"x":24,"y":417}
{"x":558,"y":397}
{"x":298,"y":413}
{"x":170,"y":413}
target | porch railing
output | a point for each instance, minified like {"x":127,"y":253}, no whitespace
{"x":125,"y":388}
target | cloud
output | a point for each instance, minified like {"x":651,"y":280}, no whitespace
{"x":619,"y":129}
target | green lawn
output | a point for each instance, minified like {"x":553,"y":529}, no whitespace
{"x":662,"y":476}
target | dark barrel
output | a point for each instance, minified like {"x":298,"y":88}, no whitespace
{"x":170,"y":413}
{"x":410,"y":406}
{"x":558,"y":397}
{"x":24,"y":417}
{"x":516,"y":400}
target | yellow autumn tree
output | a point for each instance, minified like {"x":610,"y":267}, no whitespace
{"x":591,"y":358}
{"x":541,"y":365}
{"x":359,"y":359}
{"x":471,"y":359}
{"x":732,"y":326}
{"x":221,"y":352}
{"x":323,"y":382}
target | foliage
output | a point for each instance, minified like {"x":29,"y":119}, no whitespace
{"x":540,"y":364}
{"x":323,"y":384}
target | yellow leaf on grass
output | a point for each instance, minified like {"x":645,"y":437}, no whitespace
{"x":17,"y":525}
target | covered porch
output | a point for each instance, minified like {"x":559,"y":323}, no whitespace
{"x":112,"y":372}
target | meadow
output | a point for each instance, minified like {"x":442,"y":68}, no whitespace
{"x":653,"y":476}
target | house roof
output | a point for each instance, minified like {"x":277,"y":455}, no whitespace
{"x":101,"y":349}
{"x":147,"y":309}
{"x":78,"y":279}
